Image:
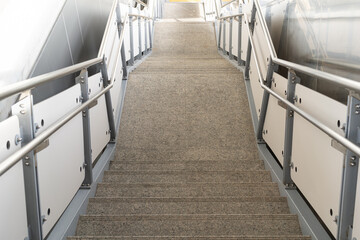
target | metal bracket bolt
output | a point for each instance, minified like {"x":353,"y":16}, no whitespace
{"x":37,"y":127}
{"x":352,"y":161}
{"x":18,"y":139}
{"x":291,"y":113}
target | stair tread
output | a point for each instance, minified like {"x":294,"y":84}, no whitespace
{"x":211,"y":205}
{"x":190,"y":225}
{"x":242,"y":237}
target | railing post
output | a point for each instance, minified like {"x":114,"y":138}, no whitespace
{"x":140,"y":48}
{"x":289,"y":123}
{"x":123,"y":56}
{"x":220,"y":28}
{"x":146,"y":37}
{"x":224,"y":36}
{"x":131,"y":39}
{"x":248,"y":54}
{"x":109,"y":108}
{"x":150,"y":34}
{"x":265,"y":100}
{"x":82,"y":79}
{"x":230,"y":39}
{"x":24,"y":110}
{"x":240,"y":62}
{"x":350,"y":172}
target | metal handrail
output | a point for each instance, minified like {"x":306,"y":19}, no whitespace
{"x":328,"y":131}
{"x":18,"y":155}
{"x":228,"y":3}
{"x":30,"y":83}
{"x":140,"y":16}
{"x":231,"y":16}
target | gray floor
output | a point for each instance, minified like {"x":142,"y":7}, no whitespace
{"x":187,"y":165}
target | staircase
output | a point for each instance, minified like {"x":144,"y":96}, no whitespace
{"x":186,"y":165}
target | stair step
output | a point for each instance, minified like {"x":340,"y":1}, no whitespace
{"x":181,"y":176}
{"x":244,"y":165}
{"x":198,"y":154}
{"x":223,"y":205}
{"x":188,"y":225}
{"x":186,"y":190}
{"x":247,"y":237}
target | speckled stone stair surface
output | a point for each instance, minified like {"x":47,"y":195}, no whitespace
{"x":186,"y":164}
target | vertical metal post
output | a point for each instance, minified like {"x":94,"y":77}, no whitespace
{"x":289,"y":123}
{"x":123,"y":56}
{"x":131,"y":39}
{"x":230,"y":39}
{"x":24,"y":110}
{"x":240,"y":62}
{"x":265,"y":100}
{"x":109,"y":108}
{"x":146,"y":36}
{"x":248,"y":54}
{"x":220,"y":26}
{"x":140,"y":47}
{"x":224,"y":36}
{"x":83,"y":80}
{"x":150,"y":34}
{"x":350,"y":172}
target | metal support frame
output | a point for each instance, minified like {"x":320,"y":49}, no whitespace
{"x":289,"y":124}
{"x":109,"y":108}
{"x":224,"y":36}
{"x":24,"y":110}
{"x":220,"y":28}
{"x":84,"y":84}
{"x":248,"y":55}
{"x":265,"y":100}
{"x":131,"y":63}
{"x":350,"y":172}
{"x":146,"y":36}
{"x":230,"y":40}
{"x":140,"y":48}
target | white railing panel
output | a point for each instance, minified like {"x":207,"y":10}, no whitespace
{"x":136,"y":37}
{"x":110,"y":46}
{"x":274,"y":125}
{"x":13,"y":223}
{"x":244,"y":38}
{"x":234,"y":38}
{"x":262,"y":50}
{"x":317,"y":169}
{"x":127,"y":41}
{"x":143,"y":23}
{"x":227,"y":33}
{"x":256,"y":89}
{"x":99,"y":124}
{"x":60,"y":165}
{"x":116,"y":90}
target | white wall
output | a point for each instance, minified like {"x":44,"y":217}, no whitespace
{"x":24,"y":26}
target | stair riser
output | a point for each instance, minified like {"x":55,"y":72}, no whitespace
{"x":118,"y":208}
